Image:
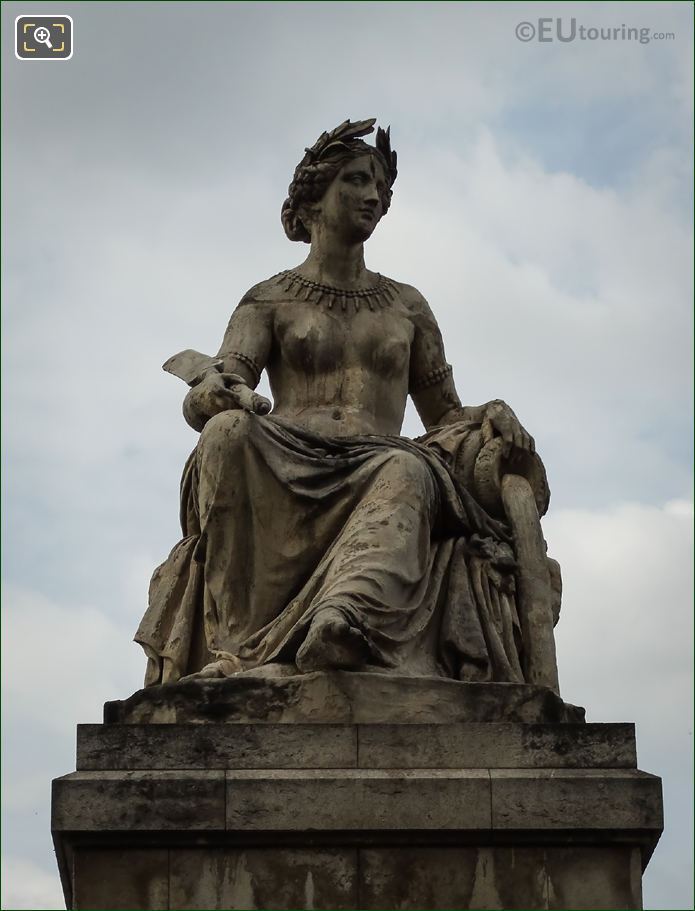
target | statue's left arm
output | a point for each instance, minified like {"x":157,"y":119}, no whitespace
{"x":431,"y":383}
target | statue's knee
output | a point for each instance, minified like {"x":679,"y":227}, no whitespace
{"x":411,"y":468}
{"x":226,"y":430}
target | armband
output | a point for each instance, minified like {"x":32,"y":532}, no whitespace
{"x":247,"y":361}
{"x":432,"y":378}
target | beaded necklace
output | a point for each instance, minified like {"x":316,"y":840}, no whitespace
{"x":383,"y":294}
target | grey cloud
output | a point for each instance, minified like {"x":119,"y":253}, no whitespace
{"x":143,"y":185}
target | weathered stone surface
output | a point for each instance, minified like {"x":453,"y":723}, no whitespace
{"x":602,"y":878}
{"x":215,"y":746}
{"x":422,"y":876}
{"x":534,"y":590}
{"x":132,"y":801}
{"x":497,"y":746}
{"x":358,"y":799}
{"x":359,"y":836}
{"x":113,"y":878}
{"x":341,"y":696}
{"x":267,"y":800}
{"x":576,"y":799}
{"x":445,"y":877}
{"x":387,"y":746}
{"x":326,"y":540}
{"x":368,"y":580}
{"x":279,"y":878}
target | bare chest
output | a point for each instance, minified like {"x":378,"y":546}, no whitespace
{"x":312,"y":339}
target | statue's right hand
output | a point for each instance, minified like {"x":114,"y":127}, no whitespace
{"x":219,"y":392}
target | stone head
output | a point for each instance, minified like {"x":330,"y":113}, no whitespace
{"x":346,"y":178}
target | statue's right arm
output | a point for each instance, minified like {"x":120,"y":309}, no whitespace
{"x":244,"y":353}
{"x":246,"y":346}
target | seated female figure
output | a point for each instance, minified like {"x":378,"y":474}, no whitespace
{"x":316,"y":535}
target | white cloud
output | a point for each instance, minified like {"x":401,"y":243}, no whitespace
{"x":567,"y":296}
{"x":570,"y":302}
{"x":627,"y":608}
{"x":624,"y":645}
{"x":78,"y":655}
{"x":60,"y":664}
{"x":27,"y":887}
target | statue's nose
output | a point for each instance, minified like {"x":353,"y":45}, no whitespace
{"x":371,"y":196}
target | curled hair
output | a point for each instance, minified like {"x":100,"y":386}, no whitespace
{"x":316,"y":171}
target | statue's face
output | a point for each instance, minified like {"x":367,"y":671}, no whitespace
{"x":351,"y":206}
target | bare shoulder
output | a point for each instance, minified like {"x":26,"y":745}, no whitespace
{"x":412,"y":300}
{"x":264,"y":293}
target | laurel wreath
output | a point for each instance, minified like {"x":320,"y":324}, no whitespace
{"x":347,"y":132}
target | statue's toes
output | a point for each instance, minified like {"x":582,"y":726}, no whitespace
{"x":335,"y":645}
{"x":216,"y":670}
{"x":357,"y":639}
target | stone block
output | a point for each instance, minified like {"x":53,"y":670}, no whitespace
{"x":599,"y":878}
{"x":397,"y":876}
{"x":583,"y":799}
{"x":448,"y":877}
{"x":340,"y":697}
{"x":337,"y":815}
{"x":272,"y":877}
{"x":244,"y":746}
{"x":218,"y":746}
{"x":139,"y":801}
{"x":358,"y":799}
{"x":497,"y":746}
{"x":113,"y":878}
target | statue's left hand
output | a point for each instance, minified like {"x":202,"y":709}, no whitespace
{"x":500,"y":420}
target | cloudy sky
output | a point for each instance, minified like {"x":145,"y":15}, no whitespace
{"x":543,"y":207}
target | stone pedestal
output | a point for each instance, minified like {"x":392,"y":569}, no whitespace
{"x":351,"y":814}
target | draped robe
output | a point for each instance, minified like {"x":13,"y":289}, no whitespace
{"x":279,"y":522}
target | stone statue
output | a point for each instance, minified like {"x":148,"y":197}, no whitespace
{"x":346,"y":611}
{"x":315,"y":537}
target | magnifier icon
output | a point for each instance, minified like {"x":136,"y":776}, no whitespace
{"x":43,"y":36}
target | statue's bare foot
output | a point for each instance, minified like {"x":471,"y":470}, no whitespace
{"x":216,"y":670}
{"x":332,"y":643}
